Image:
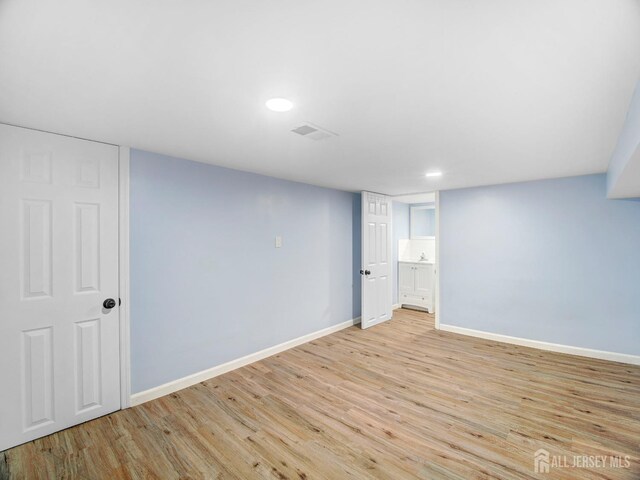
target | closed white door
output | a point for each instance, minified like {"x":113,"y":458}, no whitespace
{"x":59,"y":346}
{"x":424,"y":280}
{"x":376,"y":259}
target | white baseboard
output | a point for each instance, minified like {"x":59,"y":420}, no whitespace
{"x":179,"y":384}
{"x":396,"y":306}
{"x":552,"y":347}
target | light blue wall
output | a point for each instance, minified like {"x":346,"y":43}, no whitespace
{"x":550,"y":260}
{"x":400,"y":227}
{"x":207,"y":284}
{"x":628,"y":141}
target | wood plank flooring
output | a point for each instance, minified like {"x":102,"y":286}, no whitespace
{"x":400,"y":400}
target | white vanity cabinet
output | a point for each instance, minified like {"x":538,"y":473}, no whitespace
{"x":415,"y":284}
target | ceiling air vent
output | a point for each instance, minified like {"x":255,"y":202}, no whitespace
{"x":314,"y":132}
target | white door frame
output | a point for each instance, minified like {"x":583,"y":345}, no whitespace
{"x":437,"y":266}
{"x":436,"y":299}
{"x":125,"y":296}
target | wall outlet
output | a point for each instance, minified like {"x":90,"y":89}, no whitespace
{"x":278,"y":241}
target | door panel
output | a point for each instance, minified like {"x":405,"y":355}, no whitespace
{"x":37,"y":372}
{"x":87,"y":247}
{"x":376,"y":255}
{"x":59,"y":257}
{"x":383,"y":236}
{"x":36,"y":248}
{"x":384,"y":309}
{"x":88,"y":364}
{"x":373,"y":245}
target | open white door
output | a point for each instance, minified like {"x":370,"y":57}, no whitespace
{"x":376,"y":259}
{"x":59,"y":337}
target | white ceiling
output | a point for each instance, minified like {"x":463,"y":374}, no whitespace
{"x":488,"y":91}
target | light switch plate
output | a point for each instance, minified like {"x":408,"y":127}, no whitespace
{"x":278,"y":241}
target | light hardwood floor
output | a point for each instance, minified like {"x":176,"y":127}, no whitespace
{"x":400,"y":400}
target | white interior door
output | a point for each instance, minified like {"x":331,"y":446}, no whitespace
{"x":376,"y":259}
{"x":59,"y":346}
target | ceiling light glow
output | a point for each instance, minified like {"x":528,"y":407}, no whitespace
{"x":279,"y":104}
{"x":434,"y":174}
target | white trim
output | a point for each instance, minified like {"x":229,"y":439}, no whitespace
{"x":551,"y":347}
{"x":123,"y":220}
{"x":414,"y":307}
{"x":437,"y":266}
{"x":396,"y":306}
{"x":174,"y":386}
{"x":57,"y":133}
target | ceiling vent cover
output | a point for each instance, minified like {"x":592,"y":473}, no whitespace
{"x":314,"y":132}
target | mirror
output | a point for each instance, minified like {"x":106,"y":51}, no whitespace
{"x":423,"y":221}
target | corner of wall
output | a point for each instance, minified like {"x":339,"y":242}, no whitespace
{"x":625,"y":160}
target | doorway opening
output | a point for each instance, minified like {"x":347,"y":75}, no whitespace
{"x":415,"y":252}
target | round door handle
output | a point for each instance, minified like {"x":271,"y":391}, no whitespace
{"x":109,"y":303}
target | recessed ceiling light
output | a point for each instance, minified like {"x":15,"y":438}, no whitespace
{"x":434,"y":174}
{"x":279,"y":104}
